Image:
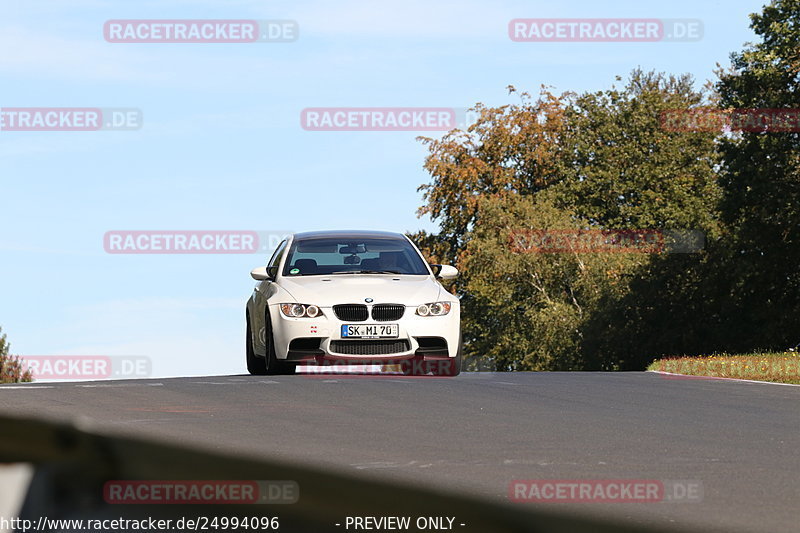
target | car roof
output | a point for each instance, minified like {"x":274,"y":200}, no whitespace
{"x":348,"y":234}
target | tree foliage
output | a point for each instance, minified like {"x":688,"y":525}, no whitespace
{"x":597,"y":160}
{"x":760,"y":179}
{"x":526,"y":311}
{"x":626,"y":170}
{"x":604,"y":160}
{"x":508,"y":150}
{"x":11,"y":368}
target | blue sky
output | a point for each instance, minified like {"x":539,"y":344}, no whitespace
{"x":221,"y":146}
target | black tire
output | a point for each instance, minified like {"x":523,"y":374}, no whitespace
{"x":256,"y":365}
{"x":273,"y":366}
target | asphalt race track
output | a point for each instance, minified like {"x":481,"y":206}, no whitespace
{"x":480,"y":431}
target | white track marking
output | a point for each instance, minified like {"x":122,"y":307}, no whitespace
{"x":714,"y":378}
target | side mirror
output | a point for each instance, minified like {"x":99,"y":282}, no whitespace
{"x":259,"y":274}
{"x":445,"y":271}
{"x":264,"y":273}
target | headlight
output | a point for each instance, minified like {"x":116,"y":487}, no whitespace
{"x":300,"y":311}
{"x":434,"y":309}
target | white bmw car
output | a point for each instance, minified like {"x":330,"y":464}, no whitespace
{"x":352,"y":298}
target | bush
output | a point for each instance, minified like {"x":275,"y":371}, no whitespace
{"x":11,"y":368}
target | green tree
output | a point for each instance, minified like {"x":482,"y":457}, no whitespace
{"x":598,"y":160}
{"x":627,"y":171}
{"x":760,"y":179}
{"x":525,"y":310}
{"x":11,"y":368}
{"x":510,"y":149}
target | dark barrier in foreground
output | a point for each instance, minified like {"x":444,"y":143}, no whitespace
{"x":85,"y":475}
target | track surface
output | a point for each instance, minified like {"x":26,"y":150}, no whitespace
{"x":478,"y":432}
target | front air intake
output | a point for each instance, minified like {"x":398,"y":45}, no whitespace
{"x":369,"y":347}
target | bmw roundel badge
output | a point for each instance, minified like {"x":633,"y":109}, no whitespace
{"x":368,"y":300}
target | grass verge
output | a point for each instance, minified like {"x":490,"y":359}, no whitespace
{"x":778,"y":367}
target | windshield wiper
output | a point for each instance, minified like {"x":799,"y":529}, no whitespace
{"x":367,"y":272}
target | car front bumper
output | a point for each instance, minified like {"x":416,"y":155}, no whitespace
{"x":426,"y":338}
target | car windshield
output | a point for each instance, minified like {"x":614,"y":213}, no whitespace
{"x":345,"y":255}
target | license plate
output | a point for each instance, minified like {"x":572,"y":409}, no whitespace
{"x":370,"y":331}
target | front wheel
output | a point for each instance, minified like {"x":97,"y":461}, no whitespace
{"x":256,"y":365}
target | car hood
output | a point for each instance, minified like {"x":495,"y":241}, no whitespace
{"x":326,"y":291}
